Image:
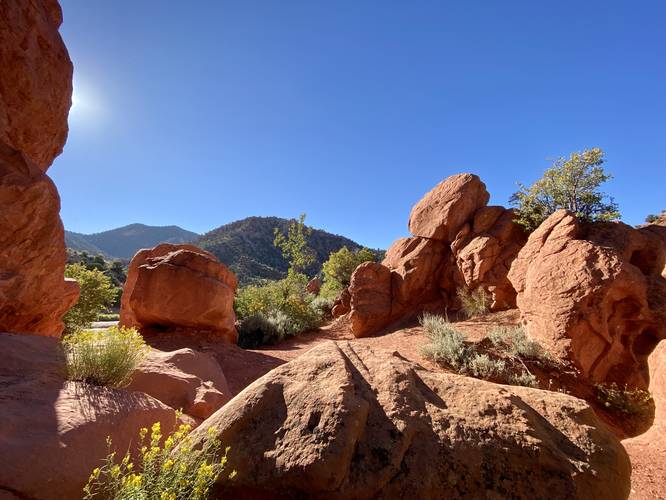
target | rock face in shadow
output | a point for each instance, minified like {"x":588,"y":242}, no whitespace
{"x":54,"y":432}
{"x":34,"y":294}
{"x":595,"y":294}
{"x":35,"y":96}
{"x":458,"y":242}
{"x":342,"y":421}
{"x":183,"y":379}
{"x":35,"y":81}
{"x":179,"y":286}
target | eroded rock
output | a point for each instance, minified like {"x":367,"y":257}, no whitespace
{"x":342,"y":421}
{"x":179,"y":286}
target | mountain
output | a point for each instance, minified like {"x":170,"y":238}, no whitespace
{"x":246,"y":246}
{"x":123,"y":242}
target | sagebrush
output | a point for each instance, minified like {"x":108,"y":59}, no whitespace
{"x":627,"y":400}
{"x":104,"y":357}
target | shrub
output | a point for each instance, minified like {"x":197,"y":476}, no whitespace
{"x":340,"y":266}
{"x":571,"y":183}
{"x":515,"y":341}
{"x":482,"y":366}
{"x":474,"y":303}
{"x":173,"y":470}
{"x":447,"y":345}
{"x":97,"y":293}
{"x":105,"y":357}
{"x":322,"y":306}
{"x":627,"y":400}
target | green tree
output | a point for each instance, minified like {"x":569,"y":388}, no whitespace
{"x":339,"y":267}
{"x":294,"y":245}
{"x":97,"y":293}
{"x":571,"y":183}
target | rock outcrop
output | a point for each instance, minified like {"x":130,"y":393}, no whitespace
{"x":458,"y":242}
{"x":342,"y":421}
{"x":595,"y":294}
{"x":33,"y":292}
{"x":54,"y":432}
{"x":179,"y":286}
{"x":185,"y":380}
{"x":35,"y":96}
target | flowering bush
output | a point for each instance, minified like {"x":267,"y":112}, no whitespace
{"x":171,"y":471}
{"x":105,"y":357}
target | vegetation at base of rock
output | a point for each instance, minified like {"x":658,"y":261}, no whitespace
{"x":626,"y":400}
{"x":104,"y":357}
{"x":339,"y":267}
{"x":571,"y":183}
{"x":656,"y":217}
{"x":97,"y":294}
{"x":449,"y":346}
{"x":166,"y":470}
{"x":474,"y":302}
{"x":514,"y":339}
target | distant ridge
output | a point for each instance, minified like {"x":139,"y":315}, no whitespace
{"x":123,"y":242}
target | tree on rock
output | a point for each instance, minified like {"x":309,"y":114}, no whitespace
{"x":571,"y":183}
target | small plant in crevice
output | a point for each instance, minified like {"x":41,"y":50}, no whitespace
{"x":515,"y":341}
{"x":166,"y":469}
{"x":474,"y":302}
{"x":626,"y":400}
{"x":104,"y":357}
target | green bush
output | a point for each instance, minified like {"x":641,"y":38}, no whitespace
{"x":447,"y":345}
{"x":571,"y":183}
{"x":515,"y":341}
{"x":483,"y":366}
{"x":474,"y":303}
{"x":524,"y":378}
{"x":339,"y":267}
{"x":104,"y":357}
{"x":170,"y":471}
{"x":97,"y":294}
{"x":627,"y":400}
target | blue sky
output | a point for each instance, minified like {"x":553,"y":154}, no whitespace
{"x":201,"y":113}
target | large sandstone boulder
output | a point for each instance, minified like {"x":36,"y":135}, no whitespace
{"x":33,"y":292}
{"x":342,"y":421}
{"x":35,"y":81}
{"x":179,"y":286}
{"x":185,"y":379}
{"x":595,"y":294}
{"x":458,"y":242}
{"x":53,"y":432}
{"x":35,"y":96}
{"x":441,"y":213}
{"x":370,"y":292}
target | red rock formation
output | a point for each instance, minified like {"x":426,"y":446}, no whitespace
{"x":458,"y":242}
{"x":313,"y":286}
{"x":35,"y":96}
{"x":179,"y":286}
{"x":343,"y":421}
{"x":595,"y":294}
{"x":370,"y":292}
{"x":35,"y":81}
{"x":33,"y":292}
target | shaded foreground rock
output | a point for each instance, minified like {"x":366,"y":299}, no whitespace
{"x":595,"y":294}
{"x":184,"y":379}
{"x":458,"y":243}
{"x":33,"y":292}
{"x":342,"y":421}
{"x":179,"y":286}
{"x":53,"y":432}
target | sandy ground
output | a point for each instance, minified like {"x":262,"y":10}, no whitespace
{"x":243,"y":366}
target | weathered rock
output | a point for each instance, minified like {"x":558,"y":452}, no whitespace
{"x":594,"y":294}
{"x":370,"y":292}
{"x":179,"y":286}
{"x":185,"y":379}
{"x":342,"y":304}
{"x":313,"y":286}
{"x":342,"y":421}
{"x":53,"y":432}
{"x":441,"y":213}
{"x":35,"y":81}
{"x":33,"y":292}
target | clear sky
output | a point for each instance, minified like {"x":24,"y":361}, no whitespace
{"x":201,"y":113}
